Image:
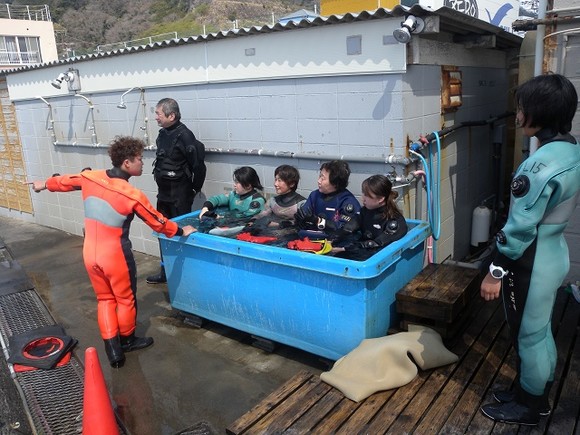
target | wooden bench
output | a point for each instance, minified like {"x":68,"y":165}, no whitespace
{"x":441,"y":297}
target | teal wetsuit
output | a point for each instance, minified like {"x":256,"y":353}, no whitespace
{"x":532,"y":248}
{"x":245,"y":205}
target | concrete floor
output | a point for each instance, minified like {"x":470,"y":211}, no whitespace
{"x":188,"y":376}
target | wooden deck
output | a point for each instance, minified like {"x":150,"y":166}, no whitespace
{"x":444,"y":400}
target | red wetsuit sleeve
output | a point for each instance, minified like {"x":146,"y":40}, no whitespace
{"x":64,"y":183}
{"x":155,"y":220}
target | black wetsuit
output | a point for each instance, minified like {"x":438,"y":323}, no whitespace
{"x":179,"y":169}
{"x":377,"y":232}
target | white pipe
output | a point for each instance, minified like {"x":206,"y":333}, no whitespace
{"x":393,"y":159}
{"x":539,"y":57}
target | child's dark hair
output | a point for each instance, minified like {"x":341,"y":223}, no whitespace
{"x":380,"y":186}
{"x":289,"y":175}
{"x":248,"y":177}
{"x":548,"y":101}
{"x":125,"y":147}
{"x":338,"y":173}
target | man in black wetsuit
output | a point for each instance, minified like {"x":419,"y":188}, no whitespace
{"x":179,"y":167}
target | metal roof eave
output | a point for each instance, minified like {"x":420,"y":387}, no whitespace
{"x":451,"y":21}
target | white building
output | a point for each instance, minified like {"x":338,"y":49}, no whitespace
{"x":26,"y":36}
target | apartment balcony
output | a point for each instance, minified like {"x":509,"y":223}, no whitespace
{"x":20,"y":58}
{"x":25,"y":12}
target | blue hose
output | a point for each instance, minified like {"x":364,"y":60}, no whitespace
{"x":437,"y":201}
{"x":433,"y":187}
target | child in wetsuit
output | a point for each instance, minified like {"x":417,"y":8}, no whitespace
{"x":381,"y":221}
{"x":280,"y":210}
{"x":332,"y":211}
{"x":246,"y":200}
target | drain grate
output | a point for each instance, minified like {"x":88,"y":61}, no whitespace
{"x":21,"y":312}
{"x":54,"y":398}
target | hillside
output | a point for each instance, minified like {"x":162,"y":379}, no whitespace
{"x":83,"y":25}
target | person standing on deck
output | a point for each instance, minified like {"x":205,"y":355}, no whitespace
{"x":532,"y":256}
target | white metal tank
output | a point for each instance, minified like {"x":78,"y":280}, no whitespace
{"x":480,"y":225}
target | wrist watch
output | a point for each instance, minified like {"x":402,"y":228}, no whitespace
{"x":497,"y":272}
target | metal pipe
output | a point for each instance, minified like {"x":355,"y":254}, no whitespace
{"x":76,"y":144}
{"x":393,"y":159}
{"x":539,"y":56}
{"x":92,"y":127}
{"x":122,"y":104}
{"x":50,"y":119}
{"x":564,"y":10}
{"x":525,"y":25}
{"x":145,"y":118}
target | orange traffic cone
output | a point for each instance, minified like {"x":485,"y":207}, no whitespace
{"x":98,"y":414}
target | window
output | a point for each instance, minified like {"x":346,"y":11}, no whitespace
{"x":19,"y":50}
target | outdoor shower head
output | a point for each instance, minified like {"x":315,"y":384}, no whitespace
{"x":122,"y":104}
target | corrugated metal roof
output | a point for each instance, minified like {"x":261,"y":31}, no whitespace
{"x":450,"y":21}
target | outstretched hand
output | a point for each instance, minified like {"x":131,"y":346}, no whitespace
{"x":37,"y":186}
{"x":188,"y":229}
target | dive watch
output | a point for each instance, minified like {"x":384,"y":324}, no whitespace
{"x":497,"y":272}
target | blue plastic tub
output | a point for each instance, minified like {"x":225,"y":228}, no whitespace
{"x":323,"y":305}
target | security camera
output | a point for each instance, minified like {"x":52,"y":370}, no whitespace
{"x":412,"y":24}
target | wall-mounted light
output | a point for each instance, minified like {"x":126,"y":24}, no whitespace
{"x":411,"y":25}
{"x":71,"y":77}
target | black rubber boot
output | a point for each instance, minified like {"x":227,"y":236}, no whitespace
{"x":506,"y":396}
{"x":160,"y":278}
{"x":130,"y":343}
{"x":523,"y":410}
{"x":115,"y":352}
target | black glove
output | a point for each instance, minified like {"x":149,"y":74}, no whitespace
{"x":306,"y":219}
{"x":285,"y":224}
{"x":257,"y":226}
{"x":210,"y":214}
{"x":369,"y":244}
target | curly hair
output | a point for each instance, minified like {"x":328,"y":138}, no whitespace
{"x":125,"y":147}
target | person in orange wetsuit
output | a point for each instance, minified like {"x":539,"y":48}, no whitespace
{"x":110,"y":204}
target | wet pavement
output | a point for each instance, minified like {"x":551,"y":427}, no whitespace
{"x":190,"y":378}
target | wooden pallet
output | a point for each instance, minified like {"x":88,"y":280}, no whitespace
{"x":441,"y":297}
